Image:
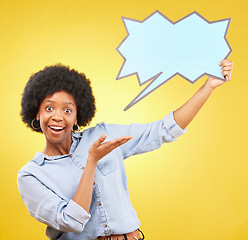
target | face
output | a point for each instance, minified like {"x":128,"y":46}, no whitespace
{"x":57,"y":115}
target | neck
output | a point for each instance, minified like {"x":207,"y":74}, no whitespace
{"x":53,"y":149}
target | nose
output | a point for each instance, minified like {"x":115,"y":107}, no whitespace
{"x":57,"y":116}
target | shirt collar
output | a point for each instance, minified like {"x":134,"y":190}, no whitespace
{"x":76,"y":135}
{"x":40,"y":157}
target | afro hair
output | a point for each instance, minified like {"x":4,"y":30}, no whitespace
{"x":53,"y":79}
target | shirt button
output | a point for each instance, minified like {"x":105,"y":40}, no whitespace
{"x":99,"y":203}
{"x":70,"y":155}
{"x":105,"y":225}
{"x":82,"y":167}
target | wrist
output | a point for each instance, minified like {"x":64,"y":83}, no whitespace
{"x":208,"y":87}
{"x":91,"y":162}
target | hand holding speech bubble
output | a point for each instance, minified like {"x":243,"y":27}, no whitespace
{"x":157,"y":49}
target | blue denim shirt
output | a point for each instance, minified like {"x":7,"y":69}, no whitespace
{"x":47,"y":184}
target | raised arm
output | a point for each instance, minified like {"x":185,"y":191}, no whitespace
{"x":186,"y":113}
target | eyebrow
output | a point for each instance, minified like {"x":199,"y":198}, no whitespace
{"x":64,"y":102}
{"x":70,"y":103}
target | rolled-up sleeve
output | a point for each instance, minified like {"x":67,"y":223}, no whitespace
{"x":47,"y":207}
{"x":172,"y":128}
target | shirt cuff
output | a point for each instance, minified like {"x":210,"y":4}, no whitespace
{"x":77,"y":212}
{"x":172,"y":127}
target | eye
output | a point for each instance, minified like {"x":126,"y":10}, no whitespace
{"x":49,"y":108}
{"x":67,"y":110}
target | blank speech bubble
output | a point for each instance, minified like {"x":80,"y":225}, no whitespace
{"x":157,"y":49}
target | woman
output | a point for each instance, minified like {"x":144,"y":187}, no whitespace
{"x":77,"y":186}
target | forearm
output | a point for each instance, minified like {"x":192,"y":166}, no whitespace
{"x":98,"y":150}
{"x":83,"y":195}
{"x":186,"y":113}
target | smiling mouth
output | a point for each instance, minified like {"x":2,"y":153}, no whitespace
{"x":56,"y":129}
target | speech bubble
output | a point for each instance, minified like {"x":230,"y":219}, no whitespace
{"x":157,"y":49}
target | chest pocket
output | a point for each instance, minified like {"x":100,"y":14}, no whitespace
{"x":107,"y":164}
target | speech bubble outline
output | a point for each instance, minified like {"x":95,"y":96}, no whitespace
{"x":134,"y":29}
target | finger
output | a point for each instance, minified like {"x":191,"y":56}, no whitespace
{"x":220,"y":64}
{"x":99,"y":141}
{"x":226,"y":68}
{"x":226,"y":73}
{"x":226,"y":62}
{"x":117,"y":142}
{"x":120,"y":141}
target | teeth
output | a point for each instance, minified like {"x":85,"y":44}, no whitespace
{"x":56,"y":128}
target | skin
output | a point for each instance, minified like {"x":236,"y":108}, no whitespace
{"x":186,"y":113}
{"x":57,"y":111}
{"x":57,"y":115}
{"x":97,"y":151}
{"x":54,"y":112}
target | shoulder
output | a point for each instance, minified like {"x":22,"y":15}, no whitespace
{"x":30,"y":166}
{"x":91,"y":132}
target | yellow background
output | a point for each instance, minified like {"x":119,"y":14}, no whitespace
{"x":192,"y":189}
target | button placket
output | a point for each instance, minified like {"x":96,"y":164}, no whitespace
{"x":76,"y":160}
{"x":101,"y":211}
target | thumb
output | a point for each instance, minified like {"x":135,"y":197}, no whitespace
{"x":99,"y":141}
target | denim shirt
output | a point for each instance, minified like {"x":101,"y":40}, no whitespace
{"x":47,"y":184}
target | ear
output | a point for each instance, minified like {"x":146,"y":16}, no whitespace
{"x":38,"y":116}
{"x":75,"y":122}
